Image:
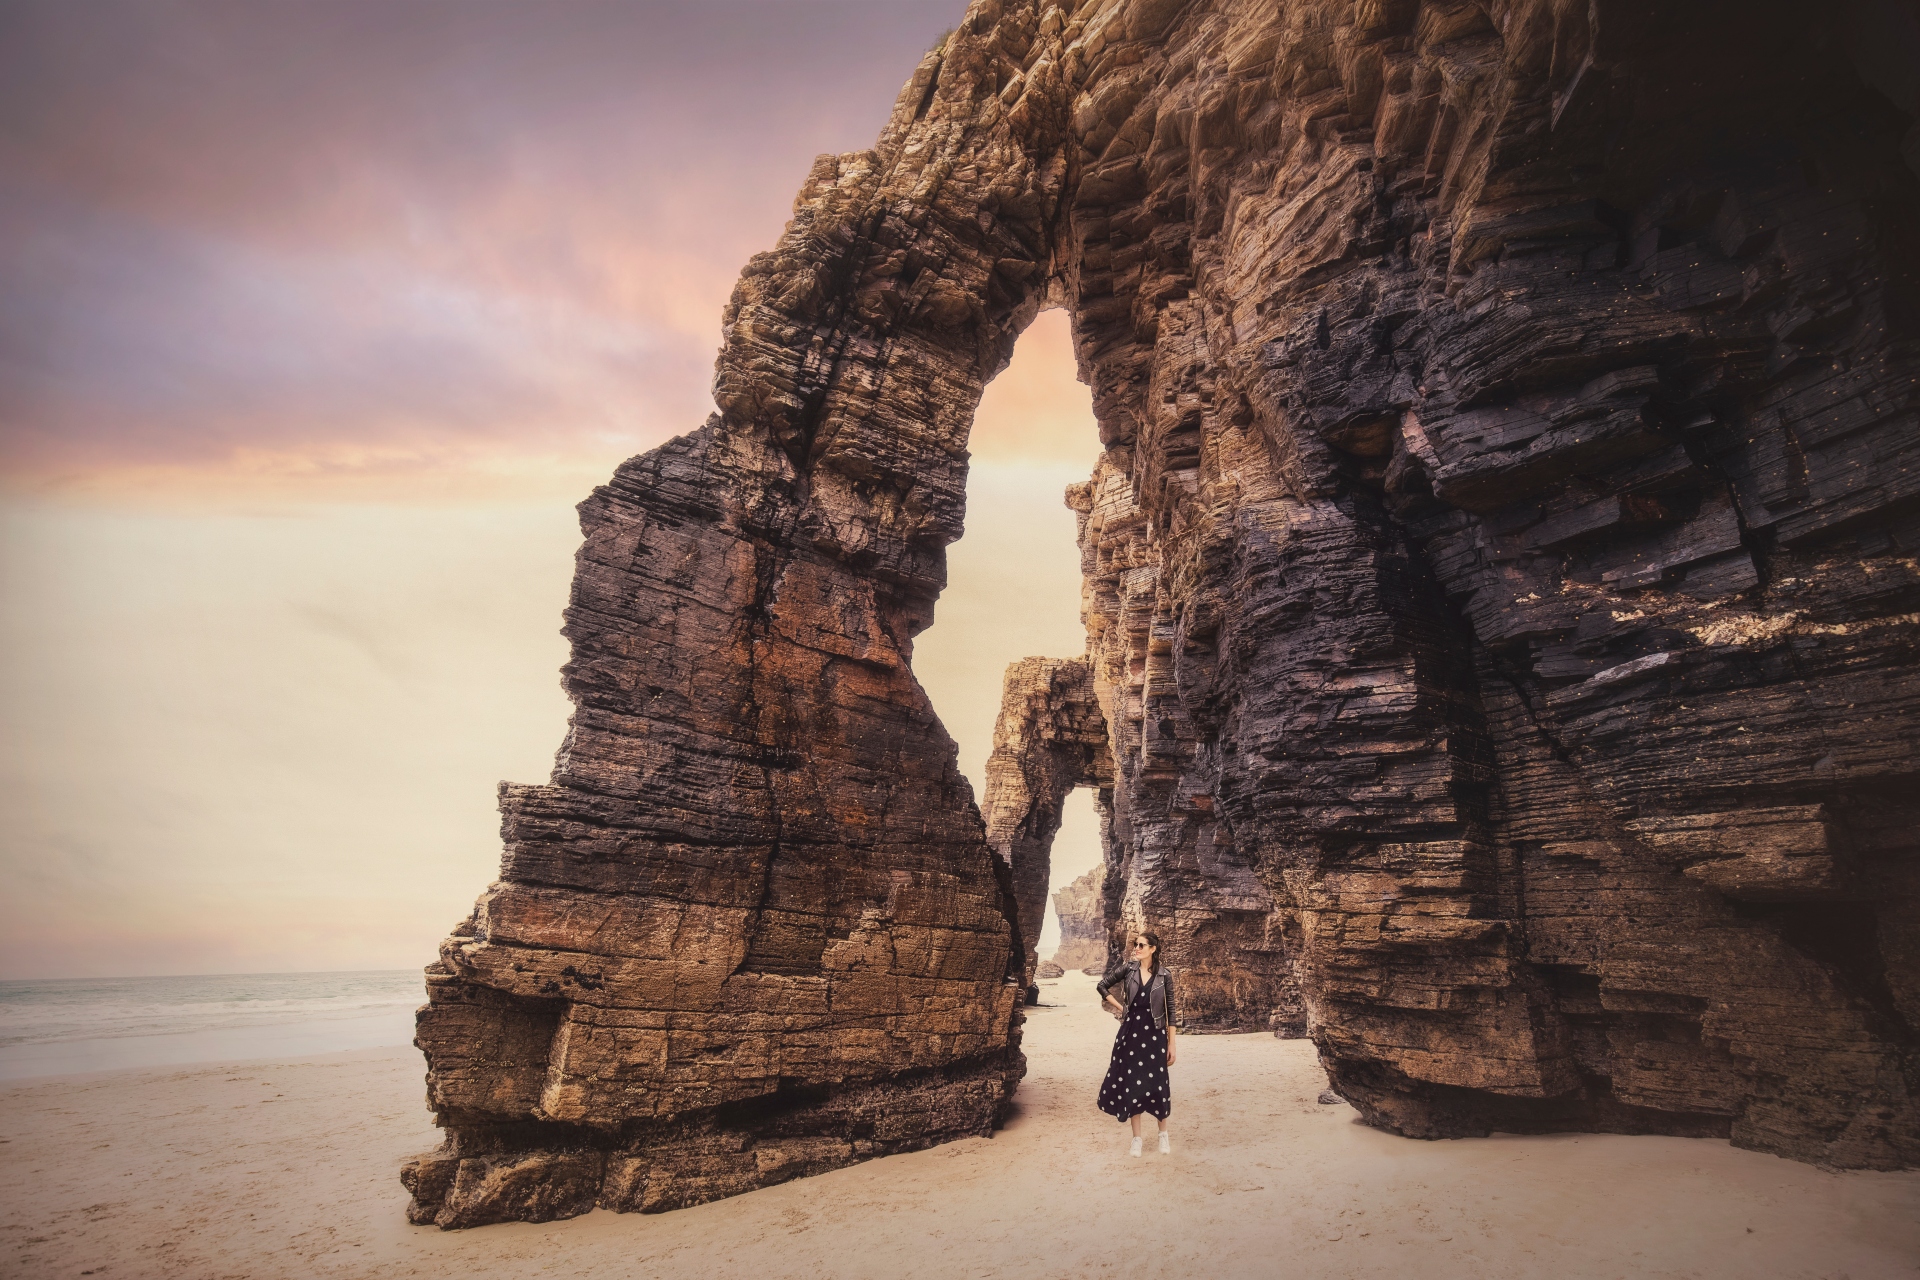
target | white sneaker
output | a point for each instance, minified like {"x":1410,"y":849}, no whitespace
{"x":1136,"y":1148}
{"x":1166,"y":1145}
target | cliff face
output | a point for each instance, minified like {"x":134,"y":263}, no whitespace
{"x":1503,"y":558}
{"x":1501,"y":593}
{"x":1175,"y":866}
{"x":1083,"y":924}
{"x":754,"y":909}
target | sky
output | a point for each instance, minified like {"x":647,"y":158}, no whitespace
{"x":316,"y":319}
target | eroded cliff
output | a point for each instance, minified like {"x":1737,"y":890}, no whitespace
{"x":1501,"y":600}
{"x":1049,"y":739}
{"x":1083,"y":922}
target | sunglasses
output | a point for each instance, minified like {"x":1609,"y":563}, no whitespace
{"x":1142,"y":946}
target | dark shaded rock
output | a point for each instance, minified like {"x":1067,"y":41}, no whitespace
{"x":1175,"y":865}
{"x":1048,"y":969}
{"x":1049,"y":739}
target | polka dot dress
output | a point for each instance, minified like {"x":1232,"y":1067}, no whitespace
{"x":1136,"y":1082}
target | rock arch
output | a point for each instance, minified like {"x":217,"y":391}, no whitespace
{"x":1506,"y":529}
{"x":1049,"y":740}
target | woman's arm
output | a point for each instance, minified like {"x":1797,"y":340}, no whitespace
{"x":1171,"y":1015}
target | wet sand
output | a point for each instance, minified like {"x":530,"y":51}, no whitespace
{"x":287,"y":1168}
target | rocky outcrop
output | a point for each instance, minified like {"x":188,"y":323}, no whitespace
{"x":1501,"y":592}
{"x":1508,"y":518}
{"x":1175,"y":867}
{"x":1083,"y":923}
{"x":1048,"y":740}
{"x":1499,"y":556}
{"x":754,"y":908}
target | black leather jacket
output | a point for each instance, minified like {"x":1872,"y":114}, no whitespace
{"x":1159,"y":991}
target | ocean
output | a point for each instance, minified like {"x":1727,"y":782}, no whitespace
{"x":64,"y":1025}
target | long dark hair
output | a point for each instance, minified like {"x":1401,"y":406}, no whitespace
{"x":1153,"y":940}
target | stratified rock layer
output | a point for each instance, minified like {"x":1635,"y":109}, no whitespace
{"x":1048,"y":740}
{"x":1501,"y":592}
{"x":1083,"y":922}
{"x":1505,"y":549}
{"x":754,"y":910}
{"x":1175,"y":866}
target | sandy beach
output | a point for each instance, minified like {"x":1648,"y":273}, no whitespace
{"x":287,"y":1168}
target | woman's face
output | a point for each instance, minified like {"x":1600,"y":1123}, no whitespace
{"x":1143,"y":951}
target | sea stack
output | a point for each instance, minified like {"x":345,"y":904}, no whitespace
{"x":1081,"y":909}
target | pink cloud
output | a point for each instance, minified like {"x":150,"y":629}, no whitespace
{"x":345,"y":238}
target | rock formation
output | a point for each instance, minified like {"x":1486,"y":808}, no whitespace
{"x":1049,"y":739}
{"x":1485,"y":557}
{"x":751,"y":928}
{"x":1083,"y":921}
{"x":1174,"y":865}
{"x":1501,"y":590}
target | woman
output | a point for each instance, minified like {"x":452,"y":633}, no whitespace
{"x":1136,"y":1082}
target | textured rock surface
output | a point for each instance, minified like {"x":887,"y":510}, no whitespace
{"x":1049,"y":739}
{"x":1175,"y":866}
{"x":752,"y":928}
{"x":1581,"y":549}
{"x":1501,"y":592}
{"x":1083,"y":921}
